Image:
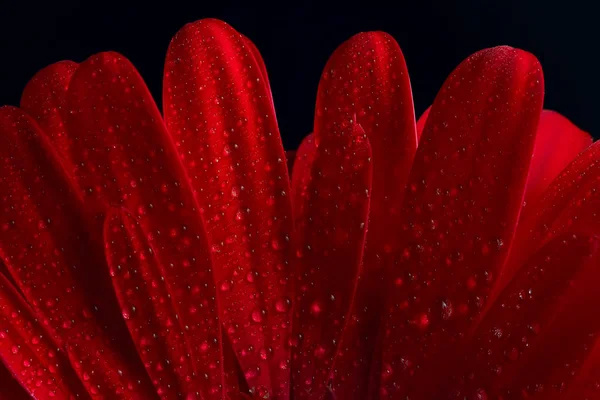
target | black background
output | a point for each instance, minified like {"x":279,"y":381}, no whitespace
{"x":297,"y":38}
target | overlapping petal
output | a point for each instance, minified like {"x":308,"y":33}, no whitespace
{"x":538,"y":331}
{"x":219,"y":112}
{"x":557,"y":143}
{"x":366,"y":81}
{"x":123,"y":156}
{"x":461,"y":207}
{"x":44,"y":99}
{"x":30,"y":353}
{"x":147,"y":259}
{"x":147,"y":306}
{"x":45,"y":245}
{"x":331,"y":225}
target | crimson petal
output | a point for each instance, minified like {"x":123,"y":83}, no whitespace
{"x":124,"y":157}
{"x":460,"y":210}
{"x":259,"y":62}
{"x":569,"y":204}
{"x":421,"y":122}
{"x":366,"y":81}
{"x":221,"y":117}
{"x":330,"y":235}
{"x":557,"y":143}
{"x":519,"y":327}
{"x":44,"y":99}
{"x":147,"y":306}
{"x":301,"y":173}
{"x":37,"y":241}
{"x":29,"y":352}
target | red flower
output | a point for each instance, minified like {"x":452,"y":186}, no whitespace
{"x":170,"y":257}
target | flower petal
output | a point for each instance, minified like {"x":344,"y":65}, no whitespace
{"x":330,"y":234}
{"x":147,"y":306}
{"x":366,"y":80}
{"x":301,"y":173}
{"x":569,"y":205}
{"x":421,"y":122}
{"x":124,"y":157}
{"x":557,"y":143}
{"x":45,"y":246}
{"x":44,"y":99}
{"x":220,"y":115}
{"x":29,"y":352}
{"x":460,"y":210}
{"x":516,"y":330}
{"x":259,"y":62}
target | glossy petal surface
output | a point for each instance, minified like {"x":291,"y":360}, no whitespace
{"x":366,"y":81}
{"x":331,"y":225}
{"x":29,"y":352}
{"x":147,"y":306}
{"x":124,"y":156}
{"x":44,"y":99}
{"x":557,"y":143}
{"x":36,"y":243}
{"x":529,"y":320}
{"x":460,"y":210}
{"x":220,"y":115}
{"x":569,"y":205}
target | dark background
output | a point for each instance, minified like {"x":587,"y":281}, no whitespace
{"x":297,"y":38}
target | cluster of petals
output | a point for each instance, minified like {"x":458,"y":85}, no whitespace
{"x":185,"y":254}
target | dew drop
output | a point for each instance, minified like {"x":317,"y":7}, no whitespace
{"x":282,"y":305}
{"x":257,"y":315}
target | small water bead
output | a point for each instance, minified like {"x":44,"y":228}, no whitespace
{"x":316,"y":309}
{"x":422,"y":321}
{"x":251,"y":276}
{"x":282,"y":305}
{"x":275,"y":244}
{"x":225,"y":286}
{"x":480,"y":394}
{"x":387,"y":371}
{"x":258,"y":315}
{"x":447,"y":309}
{"x":320,"y":351}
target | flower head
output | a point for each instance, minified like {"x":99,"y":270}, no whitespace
{"x":171,"y":256}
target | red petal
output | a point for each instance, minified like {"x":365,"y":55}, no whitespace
{"x":330,"y":235}
{"x":44,"y":244}
{"x":222,"y":120}
{"x":124,"y":156}
{"x":462,"y":203}
{"x":522,"y":324}
{"x":366,"y":80}
{"x":421,"y":122}
{"x":557,"y":143}
{"x":147,"y":306}
{"x":301,"y":173}
{"x":29,"y":352}
{"x":258,"y":62}
{"x":586,"y":381}
{"x":44,"y":99}
{"x":569,"y":205}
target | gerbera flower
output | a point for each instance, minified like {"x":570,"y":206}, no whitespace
{"x":168,"y":256}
